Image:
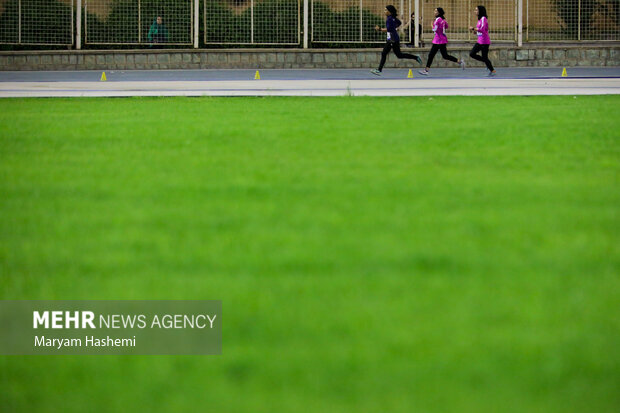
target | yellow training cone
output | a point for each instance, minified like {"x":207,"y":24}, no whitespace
{"x":564,"y":72}
{"x":410,"y":75}
{"x":257,"y":76}
{"x":103,"y":78}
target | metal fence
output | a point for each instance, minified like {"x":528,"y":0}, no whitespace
{"x":460,"y":16}
{"x":347,"y":21}
{"x":265,"y":22}
{"x":158,"y":23}
{"x":145,"y":22}
{"x":572,"y":20}
{"x":353,"y":21}
{"x":47,"y":22}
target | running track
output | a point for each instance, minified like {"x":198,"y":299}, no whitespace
{"x":328,"y":82}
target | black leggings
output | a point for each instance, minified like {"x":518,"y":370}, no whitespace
{"x":396,"y":46}
{"x":444,"y":54}
{"x":485,"y":54}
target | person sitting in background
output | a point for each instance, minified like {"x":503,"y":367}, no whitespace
{"x":158,"y":33}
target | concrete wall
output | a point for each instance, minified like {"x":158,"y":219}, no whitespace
{"x":294,"y":58}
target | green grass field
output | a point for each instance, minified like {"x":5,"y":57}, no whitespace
{"x":373,"y":254}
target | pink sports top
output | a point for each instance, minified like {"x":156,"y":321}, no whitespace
{"x":439,"y":27}
{"x":483,"y":31}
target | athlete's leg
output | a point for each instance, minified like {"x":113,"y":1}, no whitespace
{"x":431,"y":55}
{"x":474,"y":52}
{"x":384,"y":53}
{"x":445,"y":55}
{"x":401,"y":55}
{"x":485,"y":57}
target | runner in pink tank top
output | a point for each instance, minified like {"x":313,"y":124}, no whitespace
{"x":484,"y":41}
{"x":439,"y":42}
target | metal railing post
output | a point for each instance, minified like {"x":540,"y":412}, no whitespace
{"x":579,"y":20}
{"x":409,"y":10}
{"x":19,"y":22}
{"x":520,"y":23}
{"x":252,"y":22}
{"x":416,"y":9}
{"x":527,"y":20}
{"x":306,"y":8}
{"x":196,"y":20}
{"x":469,"y":16}
{"x":139,"y":23}
{"x":361,"y":22}
{"x":78,"y":24}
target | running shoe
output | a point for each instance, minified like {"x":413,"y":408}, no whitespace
{"x":492,"y":74}
{"x":462,"y":63}
{"x":376,"y":72}
{"x":418,"y":59}
{"x":423,"y":72}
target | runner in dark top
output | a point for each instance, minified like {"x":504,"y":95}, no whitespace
{"x":393,"y":40}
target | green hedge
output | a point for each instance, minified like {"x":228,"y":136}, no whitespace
{"x":53,"y":26}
